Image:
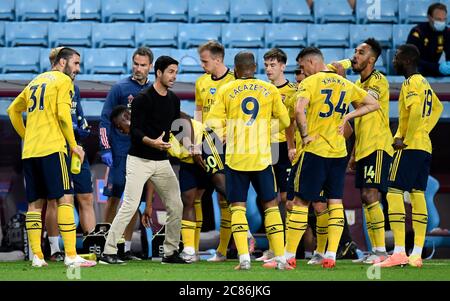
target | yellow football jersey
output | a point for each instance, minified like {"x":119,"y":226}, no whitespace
{"x":246,"y":107}
{"x":177,"y":150}
{"x":45,"y":99}
{"x":206,"y":88}
{"x":286,"y":90}
{"x":329,"y":98}
{"x":419,"y":110}
{"x":372,"y":130}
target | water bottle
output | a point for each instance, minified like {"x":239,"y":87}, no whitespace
{"x":346,"y":63}
{"x":75,"y":165}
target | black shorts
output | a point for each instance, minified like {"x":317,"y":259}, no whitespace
{"x":238,"y":182}
{"x":213,"y":152}
{"x":373,"y":171}
{"x":46,"y":177}
{"x":290,"y":184}
{"x":191,"y":176}
{"x":281,"y":164}
{"x":116,"y":178}
{"x":410,"y":170}
{"x":318,"y":177}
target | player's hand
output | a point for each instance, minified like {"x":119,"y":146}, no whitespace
{"x":107,"y":158}
{"x":339,"y":68}
{"x":199,"y":160}
{"x":341,"y":127}
{"x":159,"y":144}
{"x":307,"y":140}
{"x":291,"y":154}
{"x":146,"y":218}
{"x":351,"y":166}
{"x":398,"y":144}
{"x":444,"y":68}
{"x":79,"y":151}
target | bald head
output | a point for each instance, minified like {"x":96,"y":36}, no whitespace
{"x":244,"y":64}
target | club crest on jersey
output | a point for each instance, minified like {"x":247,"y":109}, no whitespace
{"x":212,"y":91}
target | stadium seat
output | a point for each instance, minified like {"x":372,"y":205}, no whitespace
{"x":105,"y":61}
{"x":113,"y":35}
{"x":187,"y":78}
{"x":231,"y":53}
{"x":122,"y":10}
{"x":157,"y":52}
{"x":250,"y":11}
{"x":26,"y":34}
{"x":390,"y":53}
{"x":291,"y":11}
{"x":243,"y":35}
{"x":85,"y":11}
{"x":332,"y":54}
{"x":291,"y":63}
{"x":328,"y":35}
{"x":285,"y":35}
{"x":70,"y":34}
{"x":381,"y":32}
{"x":209,"y":11}
{"x":381,"y":11}
{"x":2,"y":34}
{"x":157,"y":34}
{"x":188,"y":59}
{"x":27,"y":10}
{"x":19,"y":60}
{"x":380,"y":65}
{"x":7,"y":10}
{"x":167,"y":10}
{"x":400,"y":34}
{"x":326,"y":11}
{"x":411,"y":12}
{"x":193,"y":35}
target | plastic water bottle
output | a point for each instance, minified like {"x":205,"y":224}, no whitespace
{"x":346,"y":63}
{"x":75,"y":164}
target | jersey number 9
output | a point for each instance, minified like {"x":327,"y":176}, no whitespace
{"x":253,"y":111}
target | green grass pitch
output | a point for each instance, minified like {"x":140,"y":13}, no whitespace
{"x":433,"y":270}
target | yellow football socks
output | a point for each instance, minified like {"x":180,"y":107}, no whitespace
{"x":239,"y":227}
{"x":335,"y":226}
{"x":419,"y":217}
{"x":225,"y":227}
{"x":188,"y":233}
{"x":67,"y":228}
{"x":33,"y":223}
{"x":396,"y":213}
{"x":298,"y":222}
{"x":322,"y":231}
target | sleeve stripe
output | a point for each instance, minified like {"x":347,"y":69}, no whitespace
{"x":104,"y":138}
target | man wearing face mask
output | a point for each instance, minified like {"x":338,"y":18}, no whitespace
{"x":432,"y":38}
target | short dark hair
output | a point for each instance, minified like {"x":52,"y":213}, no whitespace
{"x":244,"y":60}
{"x":309,"y":51}
{"x":214,"y":47}
{"x":163,"y":62}
{"x":411,"y":52}
{"x":376,"y":47}
{"x":277,"y":54}
{"x":435,"y":6}
{"x":65,"y":53}
{"x":144,"y":51}
{"x":117,"y":111}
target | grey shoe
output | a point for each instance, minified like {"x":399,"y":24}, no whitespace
{"x":244,"y":265}
{"x":376,"y":257}
{"x":316,"y":259}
